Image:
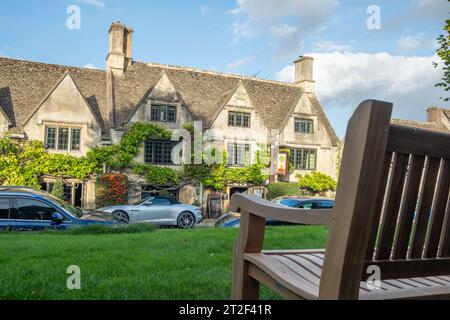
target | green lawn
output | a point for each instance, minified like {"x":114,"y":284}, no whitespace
{"x":163,"y":264}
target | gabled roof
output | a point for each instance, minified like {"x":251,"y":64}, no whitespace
{"x":24,"y":85}
{"x":203,"y":92}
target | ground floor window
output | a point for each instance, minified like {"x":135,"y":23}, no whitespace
{"x":159,"y":151}
{"x":304,"y":159}
{"x":238,"y":154}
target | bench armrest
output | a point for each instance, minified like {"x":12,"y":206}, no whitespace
{"x":265,"y":209}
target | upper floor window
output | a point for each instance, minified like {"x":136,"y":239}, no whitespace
{"x":239,"y":119}
{"x":304,"y":125}
{"x":238,"y":154}
{"x":62,"y":138}
{"x":163,"y":113}
{"x":159,"y":151}
{"x":304,"y":159}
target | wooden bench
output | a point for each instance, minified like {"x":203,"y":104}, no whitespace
{"x":392,"y":211}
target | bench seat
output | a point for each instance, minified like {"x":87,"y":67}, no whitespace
{"x":296,"y":275}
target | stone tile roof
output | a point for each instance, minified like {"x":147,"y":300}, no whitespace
{"x":24,"y":86}
{"x":420,"y":125}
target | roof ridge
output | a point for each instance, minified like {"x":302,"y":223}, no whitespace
{"x":52,"y":64}
{"x":217,"y":73}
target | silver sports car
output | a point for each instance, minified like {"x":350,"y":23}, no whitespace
{"x":162,"y":211}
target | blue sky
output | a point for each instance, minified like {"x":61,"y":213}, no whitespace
{"x":253,"y":37}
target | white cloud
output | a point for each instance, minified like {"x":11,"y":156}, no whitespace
{"x":89,"y":66}
{"x":204,"y":10}
{"x":283,"y":31}
{"x":237,"y":63}
{"x":254,"y":17}
{"x":331,"y":46}
{"x":415,"y":42}
{"x":96,"y":3}
{"x":343,"y":80}
{"x":410,"y":43}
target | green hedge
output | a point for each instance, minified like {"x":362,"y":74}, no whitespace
{"x":283,"y":189}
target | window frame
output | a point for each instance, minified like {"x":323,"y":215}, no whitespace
{"x":16,"y":207}
{"x":164,"y":155}
{"x":309,"y":124}
{"x":10,"y":205}
{"x":247,"y":147}
{"x":156,"y":109}
{"x":70,"y":141}
{"x":243,"y":116}
{"x":297,"y":157}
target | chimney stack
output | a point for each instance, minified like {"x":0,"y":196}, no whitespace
{"x":120,"y":48}
{"x":435,"y":115}
{"x":304,"y":73}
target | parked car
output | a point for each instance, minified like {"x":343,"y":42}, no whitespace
{"x":302,"y":203}
{"x":29,"y":209}
{"x":163,"y":211}
{"x":233,"y":220}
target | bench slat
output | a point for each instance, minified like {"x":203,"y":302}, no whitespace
{"x":424,"y":208}
{"x":438,"y":211}
{"x":395,"y":191}
{"x":408,"y":207}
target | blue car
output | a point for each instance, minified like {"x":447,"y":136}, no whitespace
{"x":233,"y":220}
{"x":29,"y":209}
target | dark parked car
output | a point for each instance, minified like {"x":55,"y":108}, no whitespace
{"x":29,"y":209}
{"x":232,"y":220}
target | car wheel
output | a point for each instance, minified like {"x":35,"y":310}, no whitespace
{"x":122,"y":215}
{"x":186,"y":220}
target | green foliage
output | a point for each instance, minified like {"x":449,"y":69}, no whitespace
{"x":25,"y":162}
{"x":58,"y":189}
{"x":444,"y":53}
{"x":157,"y":175}
{"x":120,"y":156}
{"x":111,"y":189}
{"x":281,"y":189}
{"x":316,"y":182}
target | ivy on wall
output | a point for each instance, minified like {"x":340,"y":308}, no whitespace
{"x":24,"y":162}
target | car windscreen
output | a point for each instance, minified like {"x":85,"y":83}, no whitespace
{"x":76,"y":213}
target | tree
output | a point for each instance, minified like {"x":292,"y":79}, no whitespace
{"x":317,"y":182}
{"x":58,"y":189}
{"x":444,"y":53}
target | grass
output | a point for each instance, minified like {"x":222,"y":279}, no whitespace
{"x":163,"y":264}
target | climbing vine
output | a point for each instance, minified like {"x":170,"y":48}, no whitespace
{"x":24,"y":162}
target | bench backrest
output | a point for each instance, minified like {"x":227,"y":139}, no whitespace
{"x":392,"y":205}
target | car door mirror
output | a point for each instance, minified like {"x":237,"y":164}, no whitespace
{"x":148,"y":203}
{"x":57,"y":217}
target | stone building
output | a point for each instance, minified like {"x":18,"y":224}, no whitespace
{"x":74,"y":109}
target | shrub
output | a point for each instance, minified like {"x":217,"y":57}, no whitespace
{"x":111,"y":190}
{"x":317,"y":182}
{"x":58,"y":189}
{"x":283,"y":189}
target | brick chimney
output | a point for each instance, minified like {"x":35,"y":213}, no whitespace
{"x":120,"y":48}
{"x":304,"y":73}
